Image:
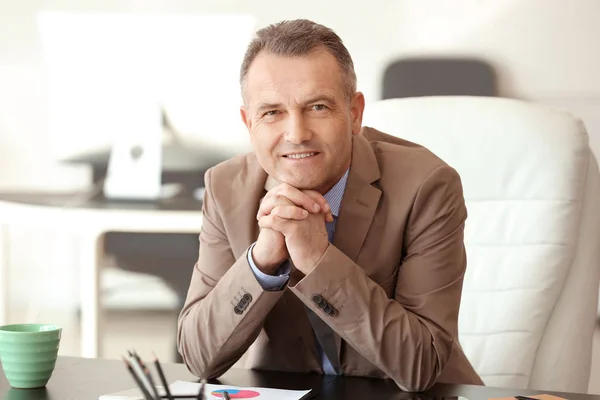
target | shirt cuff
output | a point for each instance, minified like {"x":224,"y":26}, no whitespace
{"x":270,"y":282}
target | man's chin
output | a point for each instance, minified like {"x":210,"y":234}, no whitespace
{"x":301,"y":184}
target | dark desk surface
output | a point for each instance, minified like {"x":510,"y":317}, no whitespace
{"x":99,"y":202}
{"x":87,"y":379}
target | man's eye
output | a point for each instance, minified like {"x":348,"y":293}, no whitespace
{"x":319,"y":107}
{"x":270,"y":113}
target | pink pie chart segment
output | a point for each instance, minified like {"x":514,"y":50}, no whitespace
{"x":235,"y":393}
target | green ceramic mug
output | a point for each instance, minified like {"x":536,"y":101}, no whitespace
{"x":28,"y":353}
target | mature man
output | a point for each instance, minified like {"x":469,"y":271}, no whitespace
{"x":332,"y":248}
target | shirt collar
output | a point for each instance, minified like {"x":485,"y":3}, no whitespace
{"x":335,"y":194}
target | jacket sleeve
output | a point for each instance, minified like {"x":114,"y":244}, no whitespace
{"x":410,"y":336}
{"x":225,"y":306}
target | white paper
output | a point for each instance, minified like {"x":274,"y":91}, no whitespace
{"x":212,"y":392}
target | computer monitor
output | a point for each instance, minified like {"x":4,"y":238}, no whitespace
{"x":99,"y":64}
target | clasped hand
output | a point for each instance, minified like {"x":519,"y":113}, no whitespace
{"x":292,"y":223}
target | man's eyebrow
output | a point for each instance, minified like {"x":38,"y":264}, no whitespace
{"x":320,"y":98}
{"x":314,"y":99}
{"x":267,"y":106}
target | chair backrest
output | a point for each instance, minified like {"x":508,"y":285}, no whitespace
{"x":438,"y":76}
{"x":530,"y":181}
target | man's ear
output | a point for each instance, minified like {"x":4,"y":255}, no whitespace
{"x":357,"y":107}
{"x":246,"y":118}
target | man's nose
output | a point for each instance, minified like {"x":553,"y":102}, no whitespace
{"x":297,"y":131}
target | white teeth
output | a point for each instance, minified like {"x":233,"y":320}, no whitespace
{"x":298,"y":156}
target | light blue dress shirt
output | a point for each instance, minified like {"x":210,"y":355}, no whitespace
{"x":281,"y":277}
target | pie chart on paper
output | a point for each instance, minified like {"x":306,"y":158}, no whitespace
{"x":235,"y":393}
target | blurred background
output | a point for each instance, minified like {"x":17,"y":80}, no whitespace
{"x":55,"y":139}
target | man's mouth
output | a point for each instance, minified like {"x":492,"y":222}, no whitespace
{"x":299,"y":156}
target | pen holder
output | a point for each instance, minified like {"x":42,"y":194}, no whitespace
{"x":145,"y":381}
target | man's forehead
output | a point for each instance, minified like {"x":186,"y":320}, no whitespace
{"x":278,"y":77}
{"x":300,"y":93}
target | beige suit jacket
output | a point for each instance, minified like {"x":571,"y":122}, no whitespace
{"x":393,"y":274}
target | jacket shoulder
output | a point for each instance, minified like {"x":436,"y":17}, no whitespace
{"x":396,"y":155}
{"x":232,"y":175}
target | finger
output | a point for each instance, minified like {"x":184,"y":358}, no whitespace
{"x":272,"y":222}
{"x":269,"y":202}
{"x":289,"y":212}
{"x":312,"y":202}
{"x":319,"y":199}
{"x":298,"y":197}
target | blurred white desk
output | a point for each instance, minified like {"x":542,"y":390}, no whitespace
{"x":89,"y":220}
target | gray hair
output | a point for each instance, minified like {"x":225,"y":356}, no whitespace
{"x":299,"y":37}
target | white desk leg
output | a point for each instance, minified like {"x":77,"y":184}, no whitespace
{"x":4,"y":266}
{"x":90,"y":247}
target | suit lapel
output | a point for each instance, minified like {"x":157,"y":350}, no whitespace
{"x":360,"y":200}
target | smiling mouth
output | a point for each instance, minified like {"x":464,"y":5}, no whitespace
{"x":300,"y":156}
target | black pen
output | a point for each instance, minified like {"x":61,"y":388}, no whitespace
{"x":139,"y":370}
{"x":201,"y":391}
{"x":137,"y":379}
{"x":146,"y":372}
{"x":226,"y":396}
{"x":161,"y":375}
{"x":525,"y":398}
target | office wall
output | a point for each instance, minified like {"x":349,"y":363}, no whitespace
{"x":543,"y":50}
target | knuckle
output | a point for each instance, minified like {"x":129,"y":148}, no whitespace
{"x":264,"y":204}
{"x":289,"y":190}
{"x":268,"y":196}
{"x":279,"y":199}
{"x":264,"y":209}
{"x":277,"y":210}
{"x":287,"y":193}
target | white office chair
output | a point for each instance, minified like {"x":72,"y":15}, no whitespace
{"x":531,"y":184}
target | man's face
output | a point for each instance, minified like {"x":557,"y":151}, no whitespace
{"x":300,"y":119}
